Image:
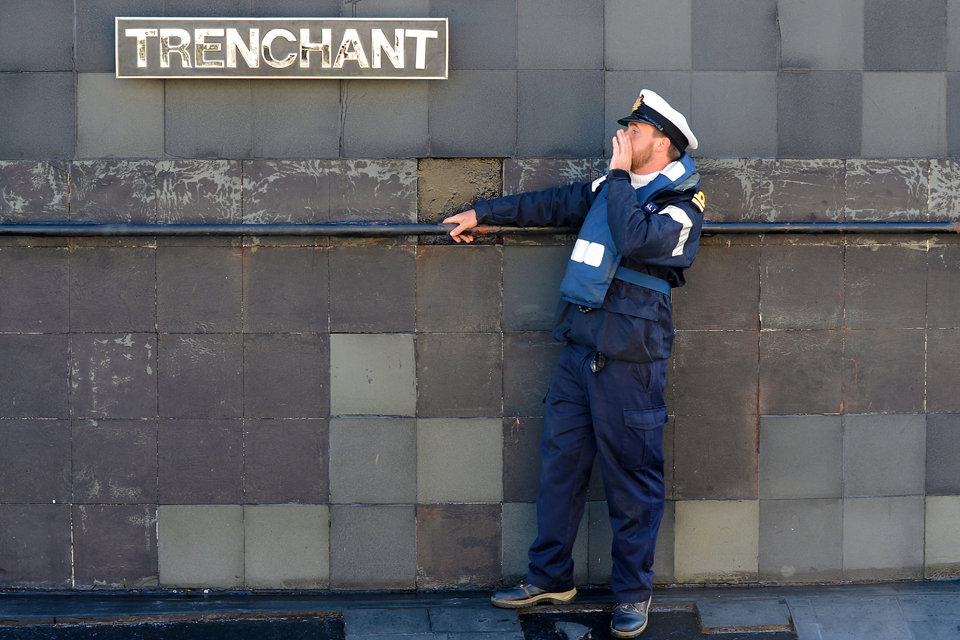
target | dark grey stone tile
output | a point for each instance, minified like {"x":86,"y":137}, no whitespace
{"x":285,"y":461}
{"x":389,"y":8}
{"x":885,"y":287}
{"x":531,"y":286}
{"x":449,"y":186}
{"x":943,"y":447}
{"x":883,"y":455}
{"x":381,"y":281}
{"x":472,"y":620}
{"x":292,"y":191}
{"x":198,"y":192}
{"x":385,"y":119}
{"x":733,"y":189}
{"x":35,"y":461}
{"x":303,"y":123}
{"x":943,"y":287}
{"x":528,"y":363}
{"x":801,"y":540}
{"x":208,"y":120}
{"x":831,"y":129}
{"x":465,"y":122}
{"x":736,"y":111}
{"x":883,"y":371}
{"x":200,"y":376}
{"x":45,"y":530}
{"x":535,"y":174}
{"x":459,"y":375}
{"x":95,"y":29}
{"x":286,"y":375}
{"x":119,"y":118}
{"x":33,"y":287}
{"x":458,"y":544}
{"x":115,"y":461}
{"x":801,"y":372}
{"x":943,"y":370}
{"x":374,"y":190}
{"x":649,"y":35}
{"x":715,"y":458}
{"x":564,"y":34}
{"x":115,"y":546}
{"x":621,"y":88}
{"x":543,"y":130}
{"x":821,"y":35}
{"x":212,"y":9}
{"x":373,"y":547}
{"x":200,"y":461}
{"x":801,"y":286}
{"x":285,"y":289}
{"x":748,"y":613}
{"x":735,"y":34}
{"x":37,"y":36}
{"x":113,"y":191}
{"x":486,"y":33}
{"x":113,"y":375}
{"x":129,"y":303}
{"x":33,"y":191}
{"x":39,"y":115}
{"x":722,"y":290}
{"x":900,"y":37}
{"x":35,"y":377}
{"x":883,"y":538}
{"x":886,"y":133}
{"x":198,"y":289}
{"x":943,"y":203}
{"x":800,"y":457}
{"x":380,"y":622}
{"x":521,"y":458}
{"x":953,"y":114}
{"x":373,"y":460}
{"x":716,"y":373}
{"x":296,"y":8}
{"x":477,"y":271}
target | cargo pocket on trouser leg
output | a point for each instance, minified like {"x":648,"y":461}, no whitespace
{"x":642,"y":438}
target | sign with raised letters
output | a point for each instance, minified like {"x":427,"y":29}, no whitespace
{"x":352,"y":48}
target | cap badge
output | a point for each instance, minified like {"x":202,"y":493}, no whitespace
{"x":637,"y":104}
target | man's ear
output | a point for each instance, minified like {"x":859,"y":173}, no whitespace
{"x":663,"y":145}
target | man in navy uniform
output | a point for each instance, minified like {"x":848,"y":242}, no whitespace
{"x":640,"y":228}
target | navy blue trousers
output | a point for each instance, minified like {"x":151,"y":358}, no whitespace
{"x":617,"y":414}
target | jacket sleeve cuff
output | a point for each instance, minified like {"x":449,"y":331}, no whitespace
{"x":482,"y":207}
{"x":619,"y":173}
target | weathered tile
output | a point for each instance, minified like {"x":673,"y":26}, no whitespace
{"x":384,"y":119}
{"x":458,"y":545}
{"x":113,"y":375}
{"x":715,"y":458}
{"x":390,"y":622}
{"x":820,"y":34}
{"x":576,"y":131}
{"x":373,"y":190}
{"x":198,"y":192}
{"x":304,"y":123}
{"x":942,"y":537}
{"x":801,"y":540}
{"x":565,"y":34}
{"x":33,"y":191}
{"x":95,"y":27}
{"x":119,"y":118}
{"x":373,"y":460}
{"x":883,"y":371}
{"x":200,"y":545}
{"x":943,"y":447}
{"x":464,"y":122}
{"x":372,"y":374}
{"x":528,"y":363}
{"x":830,"y":131}
{"x":535,"y":174}
{"x":800,"y":457}
{"x":286,"y":375}
{"x":459,"y":375}
{"x":38,"y":36}
{"x":885,"y":286}
{"x":943,"y":370}
{"x":883,"y":455}
{"x":734,"y":34}
{"x":286,"y":546}
{"x":287,"y":191}
{"x":285,"y":289}
{"x":115,"y":461}
{"x":601,"y":542}
{"x":459,"y":460}
{"x":722,"y":290}
{"x":716,"y":372}
{"x":285,"y":461}
{"x":621,"y":88}
{"x":802,"y":190}
{"x":717,"y":541}
{"x":651,"y":35}
{"x":129,"y":303}
{"x":716,"y":614}
{"x":199,"y":289}
{"x":451,"y":185}
{"x":200,"y":461}
{"x":883,"y":538}
{"x":34,"y":286}
{"x":35,"y":461}
{"x":45,"y":530}
{"x":886,"y":133}
{"x":737,"y":108}
{"x":200,"y":376}
{"x":801,"y":286}
{"x":801,"y":372}
{"x":531,"y":286}
{"x":477,"y":271}
{"x":486,"y":33}
{"x":733,"y":189}
{"x":943,"y":287}
{"x":203,"y":120}
{"x":900,"y":38}
{"x":519,"y":532}
{"x":943,"y":203}
{"x":35,"y":376}
{"x":115,"y":546}
{"x":38,"y":111}
{"x":474,"y":621}
{"x":373,"y":547}
{"x":382,"y":282}
{"x":521,"y":458}
{"x":113,"y":191}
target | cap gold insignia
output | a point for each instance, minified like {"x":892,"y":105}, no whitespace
{"x":637,"y":104}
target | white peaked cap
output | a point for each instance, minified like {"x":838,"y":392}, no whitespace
{"x":656,"y":111}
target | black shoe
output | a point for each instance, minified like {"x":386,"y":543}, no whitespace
{"x":526,"y":595}
{"x":630,"y":619}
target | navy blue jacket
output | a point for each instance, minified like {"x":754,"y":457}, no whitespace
{"x":635,"y":323}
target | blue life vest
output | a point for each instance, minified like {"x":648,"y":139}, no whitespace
{"x":595,"y":260}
